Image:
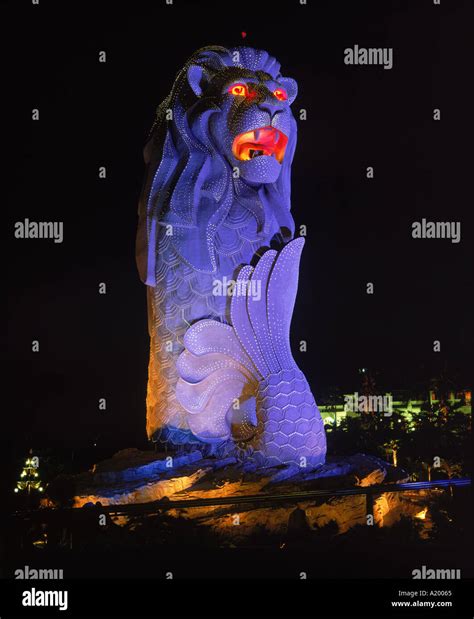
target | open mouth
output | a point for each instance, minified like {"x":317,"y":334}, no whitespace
{"x":266,"y":141}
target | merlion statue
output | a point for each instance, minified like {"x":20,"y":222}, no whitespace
{"x":215,"y":249}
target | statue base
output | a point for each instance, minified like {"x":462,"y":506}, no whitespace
{"x":148,"y":483}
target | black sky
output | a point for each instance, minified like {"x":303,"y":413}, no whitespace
{"x":359,"y":230}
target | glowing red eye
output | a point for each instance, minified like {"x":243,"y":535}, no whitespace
{"x":280,"y":94}
{"x":240,"y":90}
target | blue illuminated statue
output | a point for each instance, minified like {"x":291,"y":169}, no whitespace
{"x":215,"y":248}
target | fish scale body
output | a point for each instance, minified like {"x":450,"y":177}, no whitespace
{"x":181,"y":297}
{"x":290,"y":427}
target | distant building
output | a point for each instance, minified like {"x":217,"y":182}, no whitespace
{"x":401,"y":402}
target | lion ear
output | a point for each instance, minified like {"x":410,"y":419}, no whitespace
{"x":291,"y":88}
{"x":197,"y":78}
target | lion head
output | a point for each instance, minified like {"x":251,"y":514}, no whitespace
{"x":224,"y":136}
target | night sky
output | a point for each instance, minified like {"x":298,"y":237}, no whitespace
{"x":358,"y":230}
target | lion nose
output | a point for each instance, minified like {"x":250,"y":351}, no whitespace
{"x":272,"y":108}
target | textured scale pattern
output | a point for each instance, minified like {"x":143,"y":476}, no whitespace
{"x":181,"y":296}
{"x":291,"y":429}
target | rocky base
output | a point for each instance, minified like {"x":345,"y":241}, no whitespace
{"x":133,"y":477}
